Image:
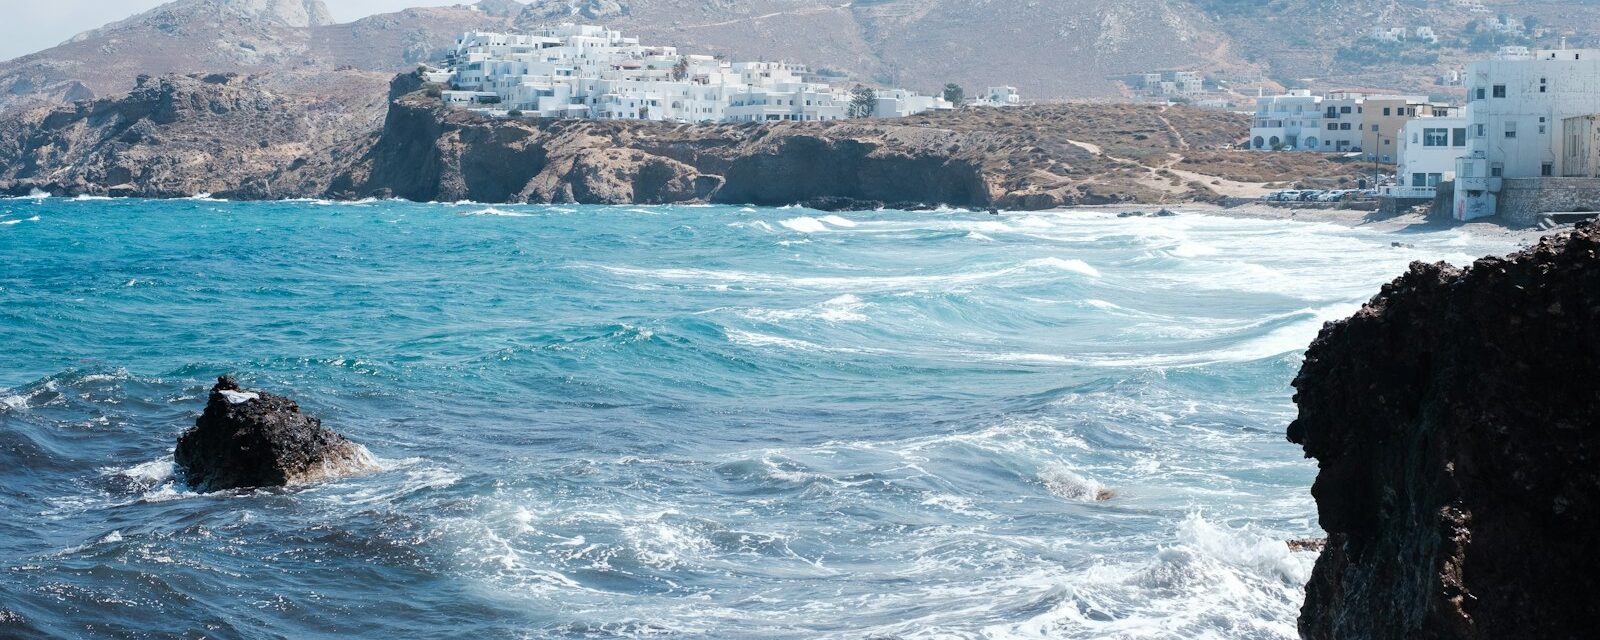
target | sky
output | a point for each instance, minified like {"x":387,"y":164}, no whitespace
{"x":30,"y":25}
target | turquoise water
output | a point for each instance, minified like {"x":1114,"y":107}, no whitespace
{"x":707,"y":422}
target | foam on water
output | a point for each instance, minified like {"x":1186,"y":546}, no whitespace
{"x":706,"y":421}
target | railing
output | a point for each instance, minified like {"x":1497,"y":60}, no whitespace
{"x":1408,"y":192}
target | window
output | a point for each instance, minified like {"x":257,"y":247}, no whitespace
{"x":1478,"y":131}
{"x":1499,"y":91}
{"x":1344,"y":126}
{"x":1344,"y":109}
{"x":1434,"y":178}
{"x":1496,"y":170}
{"x":1546,"y":169}
{"x":1333,"y":126}
{"x":1374,"y":128}
{"x":1386,"y":111}
{"x":1435,"y":137}
{"x":1458,"y":137}
{"x":1419,"y":179}
{"x":1478,"y":95}
{"x":1511,"y":129}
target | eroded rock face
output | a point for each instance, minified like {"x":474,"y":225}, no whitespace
{"x":250,"y":438}
{"x":1456,"y":423}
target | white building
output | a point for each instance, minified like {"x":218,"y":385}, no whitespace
{"x":1292,"y":121}
{"x":899,"y":103}
{"x":999,"y":97}
{"x":585,"y":71}
{"x":1389,"y":34}
{"x":1342,"y":118}
{"x":1516,"y":113}
{"x":1429,"y":148}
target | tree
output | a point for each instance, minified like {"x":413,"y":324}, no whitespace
{"x":863,"y":102}
{"x":681,"y":69}
{"x":1471,"y":28}
{"x":515,"y":113}
{"x":954,"y":94}
{"x":1530,"y":23}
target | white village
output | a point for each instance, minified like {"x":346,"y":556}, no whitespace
{"x":1526,"y":141}
{"x":587,"y":71}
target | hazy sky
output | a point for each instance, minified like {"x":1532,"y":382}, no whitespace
{"x":30,"y":25}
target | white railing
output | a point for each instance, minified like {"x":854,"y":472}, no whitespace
{"x":1408,"y":192}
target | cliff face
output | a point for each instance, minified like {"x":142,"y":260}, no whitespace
{"x":337,"y":135}
{"x":177,"y":136}
{"x":1454,"y":420}
{"x":1011,"y":158}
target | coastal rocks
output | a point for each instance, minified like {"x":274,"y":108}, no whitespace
{"x":250,"y":438}
{"x":1454,"y":423}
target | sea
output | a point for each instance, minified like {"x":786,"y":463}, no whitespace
{"x":671,"y":421}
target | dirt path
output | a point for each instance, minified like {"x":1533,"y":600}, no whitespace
{"x":1156,"y":181}
{"x":795,"y":12}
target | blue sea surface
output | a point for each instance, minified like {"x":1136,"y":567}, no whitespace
{"x":697,"y":422}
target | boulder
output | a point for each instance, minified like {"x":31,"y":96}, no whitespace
{"x":1455,"y":420}
{"x":247,"y":438}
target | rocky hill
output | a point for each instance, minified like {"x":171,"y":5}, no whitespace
{"x":1050,"y":50}
{"x":177,"y":136}
{"x":243,"y":137}
{"x":1453,"y":422}
{"x":292,"y":37}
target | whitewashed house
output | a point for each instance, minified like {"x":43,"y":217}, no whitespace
{"x":899,"y":103}
{"x":1429,"y":148}
{"x":586,"y":71}
{"x":1289,"y":122}
{"x":1516,"y":122}
{"x":999,"y":97}
{"x":1342,"y":118}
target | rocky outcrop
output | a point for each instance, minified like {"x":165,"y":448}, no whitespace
{"x":233,"y":136}
{"x":250,"y":438}
{"x":1454,"y":421}
{"x":337,"y":135}
{"x":1013,"y":158}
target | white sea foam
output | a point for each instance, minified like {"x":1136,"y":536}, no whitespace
{"x":805,"y":224}
{"x":1064,"y":483}
{"x":974,"y":235}
{"x":89,"y":198}
{"x":838,"y":221}
{"x":491,"y":211}
{"x":845,"y":308}
{"x":1073,"y":265}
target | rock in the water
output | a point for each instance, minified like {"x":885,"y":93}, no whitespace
{"x":250,"y":438}
{"x":1456,"y":424}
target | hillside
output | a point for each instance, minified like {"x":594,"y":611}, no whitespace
{"x":239,"y":36}
{"x":1064,"y":49}
{"x":240,"y":137}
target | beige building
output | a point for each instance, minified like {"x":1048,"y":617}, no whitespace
{"x":1582,"y":156}
{"x":1383,"y":120}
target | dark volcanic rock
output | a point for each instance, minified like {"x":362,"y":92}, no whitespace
{"x":257,"y":439}
{"x":1454,"y":421}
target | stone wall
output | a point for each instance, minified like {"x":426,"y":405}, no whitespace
{"x":1522,"y":200}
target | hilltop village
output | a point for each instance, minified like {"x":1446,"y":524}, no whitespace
{"x":591,"y":72}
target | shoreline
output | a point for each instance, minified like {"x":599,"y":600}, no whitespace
{"x":1401,"y":224}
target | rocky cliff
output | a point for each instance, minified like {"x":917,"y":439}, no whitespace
{"x":1025,"y":158}
{"x":338,"y":135}
{"x":1454,"y":421}
{"x":177,"y":136}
